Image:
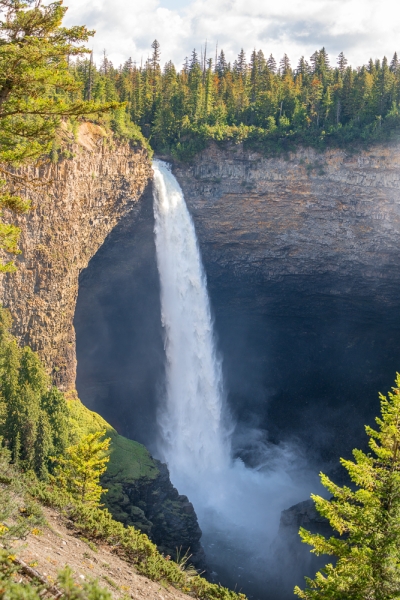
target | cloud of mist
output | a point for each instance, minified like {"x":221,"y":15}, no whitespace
{"x":360,"y":28}
{"x":239,"y":512}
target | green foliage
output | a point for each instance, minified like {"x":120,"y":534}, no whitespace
{"x":33,"y":414}
{"x":37,"y":89}
{"x":366,"y":517}
{"x":268,"y":109}
{"x":12,"y":589}
{"x":18,"y":514}
{"x":78,"y":472}
{"x":129,"y":460}
{"x":35,"y":418}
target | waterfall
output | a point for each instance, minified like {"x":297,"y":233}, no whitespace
{"x":238,"y":507}
{"x":193,"y":419}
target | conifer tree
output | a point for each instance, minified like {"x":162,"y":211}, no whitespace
{"x":394,"y":63}
{"x":222,"y":65}
{"x":241,"y":63}
{"x":302,"y":67}
{"x":34,"y":416}
{"x":284,"y":64}
{"x":367,"y":518}
{"x":342,"y":62}
{"x":79,"y":471}
{"x":155,"y":59}
{"x":271,"y":64}
{"x":42,"y":446}
{"x":37,"y":88}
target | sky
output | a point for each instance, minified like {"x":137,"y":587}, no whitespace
{"x":126,"y":28}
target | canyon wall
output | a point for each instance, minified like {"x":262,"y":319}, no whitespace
{"x":286,"y":242}
{"x":306,"y":213}
{"x":302,"y":255}
{"x":85,"y":197}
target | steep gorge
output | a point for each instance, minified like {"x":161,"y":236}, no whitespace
{"x":302,"y":256}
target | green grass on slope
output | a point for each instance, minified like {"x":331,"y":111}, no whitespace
{"x":127,"y":458}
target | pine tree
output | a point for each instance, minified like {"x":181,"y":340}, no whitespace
{"x":303,"y":67}
{"x":194,"y":60}
{"x":366,"y":517}
{"x":342,"y":63}
{"x":394,"y":63}
{"x":43,"y":445}
{"x":155,"y":58}
{"x":284,"y":65}
{"x":222,"y":65}
{"x":37,"y":88}
{"x":314,"y":61}
{"x":261,"y":62}
{"x":271,"y":64}
{"x":79,"y":471}
{"x":241,"y":63}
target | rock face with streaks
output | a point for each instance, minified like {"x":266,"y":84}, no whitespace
{"x":304,"y":214}
{"x":85,"y":198}
{"x":302,"y":256}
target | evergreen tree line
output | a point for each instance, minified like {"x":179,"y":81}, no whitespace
{"x":257,"y":100}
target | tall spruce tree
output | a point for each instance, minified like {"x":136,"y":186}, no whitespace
{"x":367,"y":518}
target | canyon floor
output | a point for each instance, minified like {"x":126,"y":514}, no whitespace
{"x":56,"y":546}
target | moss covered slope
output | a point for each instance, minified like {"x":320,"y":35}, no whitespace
{"x":128,"y":459}
{"x":140,"y":492}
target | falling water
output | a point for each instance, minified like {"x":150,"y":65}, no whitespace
{"x":192,"y":422}
{"x":238,"y":507}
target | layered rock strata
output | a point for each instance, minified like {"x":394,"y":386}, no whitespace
{"x":305,"y":213}
{"x":83,"y":199}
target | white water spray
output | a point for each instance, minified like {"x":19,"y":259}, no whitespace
{"x":192,"y":421}
{"x":238,"y":508}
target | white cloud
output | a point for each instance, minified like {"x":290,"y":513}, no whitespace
{"x":361,"y":28}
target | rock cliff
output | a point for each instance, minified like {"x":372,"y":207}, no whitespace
{"x":307,"y":213}
{"x":84,"y":198}
{"x":302,"y":255}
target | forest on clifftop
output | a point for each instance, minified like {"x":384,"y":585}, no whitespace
{"x":269,"y":106}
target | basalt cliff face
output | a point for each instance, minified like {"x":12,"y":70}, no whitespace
{"x":307,"y":213}
{"x":85,"y":198}
{"x":302,"y":257}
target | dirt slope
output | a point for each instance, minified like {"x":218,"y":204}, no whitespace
{"x":56,"y":546}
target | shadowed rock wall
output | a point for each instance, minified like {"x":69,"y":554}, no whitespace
{"x":85,"y":198}
{"x":302,"y":256}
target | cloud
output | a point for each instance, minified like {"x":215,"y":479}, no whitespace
{"x":360,"y":28}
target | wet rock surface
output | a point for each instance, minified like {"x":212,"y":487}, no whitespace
{"x":293,"y":559}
